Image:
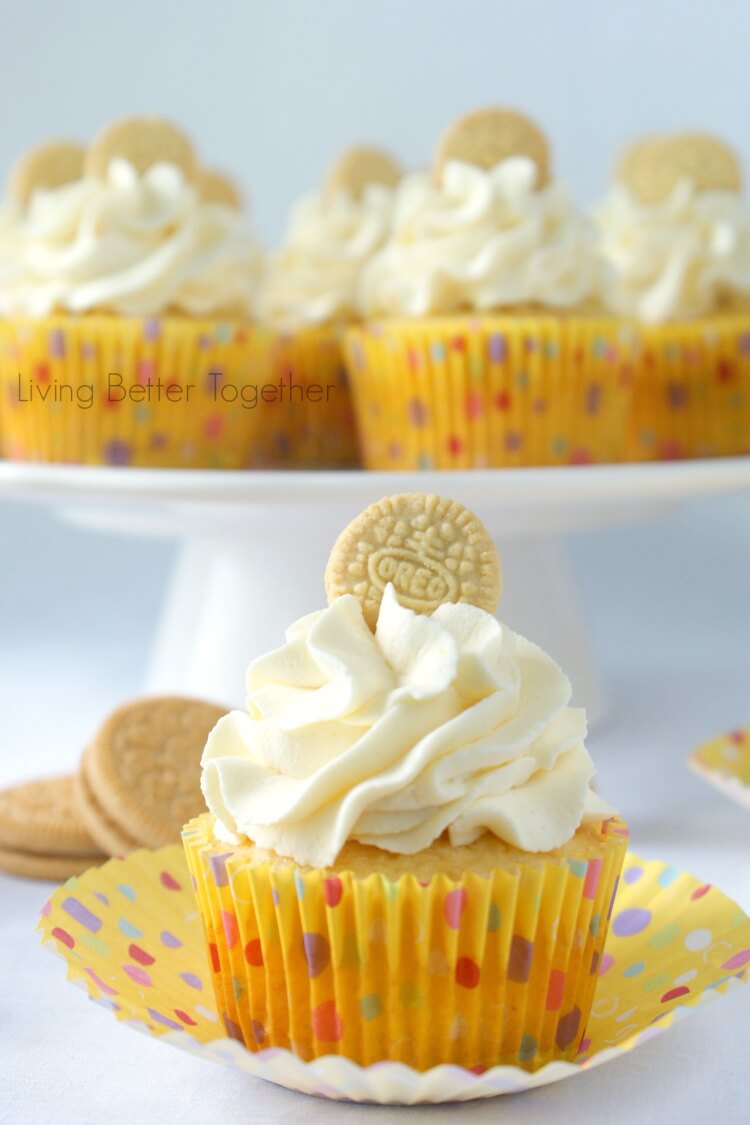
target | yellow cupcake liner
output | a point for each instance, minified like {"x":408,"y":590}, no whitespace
{"x":725,"y":763}
{"x":160,"y":392}
{"x":691,"y":390}
{"x":131,"y":935}
{"x":476,"y":972}
{"x":492,"y":391}
{"x":497,"y":391}
{"x":322,"y":432}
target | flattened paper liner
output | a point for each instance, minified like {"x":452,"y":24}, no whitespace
{"x":131,"y":935}
{"x":725,"y":763}
{"x":476,"y":972}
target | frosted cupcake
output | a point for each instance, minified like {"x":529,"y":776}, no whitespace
{"x":403,"y":858}
{"x":482,"y":344}
{"x":674,"y":234}
{"x":310,"y":295}
{"x":128,"y":283}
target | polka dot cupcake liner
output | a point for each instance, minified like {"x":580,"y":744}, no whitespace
{"x":496,"y":391}
{"x":169,"y":392}
{"x":322,"y":432}
{"x":491,"y":391}
{"x":475,"y":973}
{"x":725,"y":763}
{"x":130,"y":934}
{"x":691,"y":390}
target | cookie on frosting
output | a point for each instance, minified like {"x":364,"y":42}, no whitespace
{"x":486,"y":137}
{"x":431,"y":549}
{"x":216,"y":187}
{"x":359,"y":167}
{"x":652,"y":167}
{"x":143,"y":142}
{"x":47,"y":166}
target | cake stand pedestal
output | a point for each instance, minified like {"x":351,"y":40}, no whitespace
{"x":253,"y":546}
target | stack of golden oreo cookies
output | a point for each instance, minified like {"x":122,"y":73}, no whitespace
{"x":136,"y":786}
{"x":42,"y":835}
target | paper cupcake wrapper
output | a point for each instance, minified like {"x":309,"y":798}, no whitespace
{"x":170,"y":392}
{"x":483,"y":391}
{"x":322,"y":432}
{"x":725,"y":763}
{"x":691,"y":390}
{"x":130,"y":934}
{"x":475,"y":972}
{"x":521,"y":390}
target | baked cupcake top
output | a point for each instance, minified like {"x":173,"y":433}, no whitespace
{"x":331,"y":235}
{"x":486,"y":229}
{"x":133,"y":225}
{"x":674,"y":230}
{"x":437,"y":719}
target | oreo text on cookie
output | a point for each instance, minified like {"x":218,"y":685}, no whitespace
{"x":419,"y":582}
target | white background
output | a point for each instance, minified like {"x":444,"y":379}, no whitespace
{"x":273,"y":90}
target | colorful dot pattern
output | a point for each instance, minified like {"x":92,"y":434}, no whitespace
{"x":642,"y":985}
{"x":496,"y":391}
{"x":304,"y":960}
{"x":725,"y":763}
{"x":159,"y":422}
{"x":322,"y":434}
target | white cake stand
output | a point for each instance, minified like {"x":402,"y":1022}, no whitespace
{"x":253,"y":546}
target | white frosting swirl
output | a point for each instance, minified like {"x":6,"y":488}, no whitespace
{"x":448,"y":722}
{"x":675,"y":259}
{"x":481,"y":240}
{"x":314,"y":277}
{"x":129,"y":244}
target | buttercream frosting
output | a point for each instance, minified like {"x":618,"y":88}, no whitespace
{"x":447,"y":723}
{"x":314,"y":278}
{"x":676,"y":259}
{"x":481,"y":240}
{"x":131,"y":244}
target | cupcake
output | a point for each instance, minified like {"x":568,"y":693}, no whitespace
{"x":128,"y":284}
{"x":403,"y":857}
{"x":483,"y":343}
{"x":310,"y":296}
{"x":674,"y":236}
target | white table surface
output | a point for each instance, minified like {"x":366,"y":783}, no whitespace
{"x":668,"y":607}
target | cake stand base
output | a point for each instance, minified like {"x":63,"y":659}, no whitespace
{"x":253,"y":546}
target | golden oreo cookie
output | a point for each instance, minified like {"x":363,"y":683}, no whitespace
{"x":53,"y":868}
{"x":359,"y":167}
{"x":112,"y":839}
{"x":140,"y":776}
{"x":215,"y":187}
{"x":432,"y":550}
{"x":651,"y":168}
{"x":42,"y":834}
{"x":488,"y":136}
{"x":42,"y":816}
{"x":143,"y":142}
{"x":45,"y":167}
